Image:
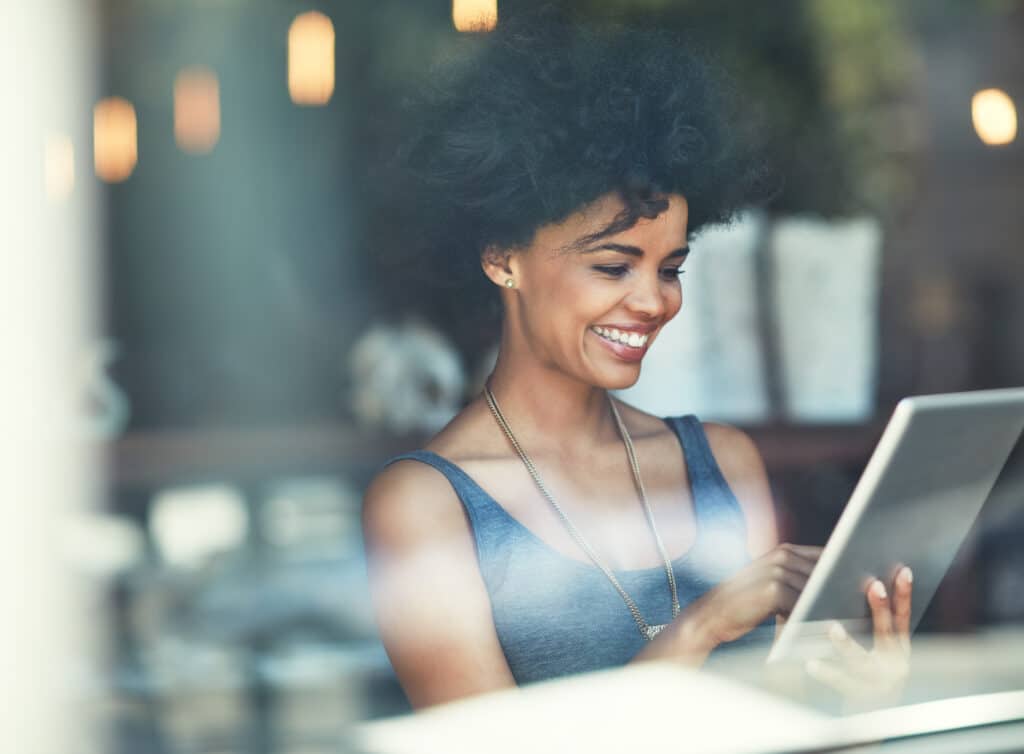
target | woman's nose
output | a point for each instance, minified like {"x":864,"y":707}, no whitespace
{"x":647,"y":298}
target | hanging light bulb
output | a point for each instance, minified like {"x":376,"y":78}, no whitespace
{"x":994,"y":116}
{"x":115,"y":139}
{"x":475,"y":15}
{"x":311,"y":59}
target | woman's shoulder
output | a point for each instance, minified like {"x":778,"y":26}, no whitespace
{"x":468,"y":437}
{"x":728,"y":444}
{"x":740,"y":463}
{"x":731,"y":445}
{"x":406,"y":501}
{"x":413,"y":497}
{"x":724,"y":437}
{"x":642,"y":424}
{"x":408,"y":494}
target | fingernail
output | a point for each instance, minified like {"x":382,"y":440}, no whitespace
{"x":879,"y":590}
{"x":836,"y":631}
{"x":907,"y":575}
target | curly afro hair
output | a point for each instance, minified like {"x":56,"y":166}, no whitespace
{"x":526,"y":125}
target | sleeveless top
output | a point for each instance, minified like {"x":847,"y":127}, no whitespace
{"x":556,"y":615}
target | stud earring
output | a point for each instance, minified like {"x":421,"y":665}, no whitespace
{"x":509,"y":283}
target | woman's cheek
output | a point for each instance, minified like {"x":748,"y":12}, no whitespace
{"x":676,"y":303}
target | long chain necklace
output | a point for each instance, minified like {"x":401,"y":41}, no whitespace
{"x":646,"y":630}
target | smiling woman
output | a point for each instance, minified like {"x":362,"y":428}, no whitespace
{"x":594,"y":298}
{"x":549,"y":528}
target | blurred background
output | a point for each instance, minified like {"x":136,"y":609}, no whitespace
{"x":235,"y":360}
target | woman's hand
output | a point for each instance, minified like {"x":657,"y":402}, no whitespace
{"x":765,"y":587}
{"x":877,"y":676}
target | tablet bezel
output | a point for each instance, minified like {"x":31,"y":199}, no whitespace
{"x":861,"y":500}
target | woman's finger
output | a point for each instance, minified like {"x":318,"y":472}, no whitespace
{"x":804,"y":551}
{"x":793,"y":579}
{"x":881,"y":613}
{"x":798,"y":564}
{"x":796,"y":558}
{"x":785,"y":558}
{"x":855,"y":656}
{"x":903,"y":586}
{"x":784,"y":597}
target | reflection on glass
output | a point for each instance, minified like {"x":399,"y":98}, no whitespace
{"x":115,"y":139}
{"x":994,"y":116}
{"x":196,"y":110}
{"x":475,"y":15}
{"x":311,"y":59}
{"x":59,"y":167}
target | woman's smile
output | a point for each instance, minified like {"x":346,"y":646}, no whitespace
{"x":628,"y":345}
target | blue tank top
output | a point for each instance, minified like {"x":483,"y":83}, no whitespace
{"x":556,"y":615}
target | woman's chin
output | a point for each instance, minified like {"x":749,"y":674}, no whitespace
{"x":626,"y":377}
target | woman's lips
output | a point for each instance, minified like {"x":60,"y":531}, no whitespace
{"x":621,"y":350}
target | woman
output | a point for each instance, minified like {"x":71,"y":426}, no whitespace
{"x":550,"y":528}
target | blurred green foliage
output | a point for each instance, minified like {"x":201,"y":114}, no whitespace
{"x":830,"y":78}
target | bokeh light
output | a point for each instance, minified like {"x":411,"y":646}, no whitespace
{"x":994,"y":116}
{"x":115,"y":139}
{"x":311,"y":59}
{"x":475,"y":15}
{"x":196,"y":110}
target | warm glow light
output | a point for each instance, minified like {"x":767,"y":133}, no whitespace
{"x":115,"y":139}
{"x":311,"y":59}
{"x":475,"y":15}
{"x":59,"y":167}
{"x":994,"y":116}
{"x":196,"y":110}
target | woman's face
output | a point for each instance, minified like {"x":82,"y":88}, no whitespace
{"x":591,"y":310}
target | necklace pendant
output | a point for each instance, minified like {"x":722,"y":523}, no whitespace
{"x":651,"y":631}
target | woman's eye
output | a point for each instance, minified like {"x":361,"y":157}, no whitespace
{"x":618,"y":270}
{"x":614,"y":270}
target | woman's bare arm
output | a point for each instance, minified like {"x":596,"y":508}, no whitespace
{"x":428,"y":595}
{"x":744,"y":471}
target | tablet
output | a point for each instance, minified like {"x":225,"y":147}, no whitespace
{"x":921,"y":491}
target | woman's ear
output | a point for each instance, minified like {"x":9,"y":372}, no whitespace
{"x":497,"y":265}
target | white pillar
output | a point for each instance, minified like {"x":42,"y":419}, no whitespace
{"x":47,"y":316}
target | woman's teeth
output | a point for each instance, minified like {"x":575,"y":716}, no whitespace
{"x":632,"y":339}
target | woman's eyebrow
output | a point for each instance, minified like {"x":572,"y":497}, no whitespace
{"x":634,"y":251}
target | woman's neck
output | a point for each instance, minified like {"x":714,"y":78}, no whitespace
{"x":550,"y":411}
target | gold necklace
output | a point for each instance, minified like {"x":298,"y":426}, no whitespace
{"x":646,"y":630}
